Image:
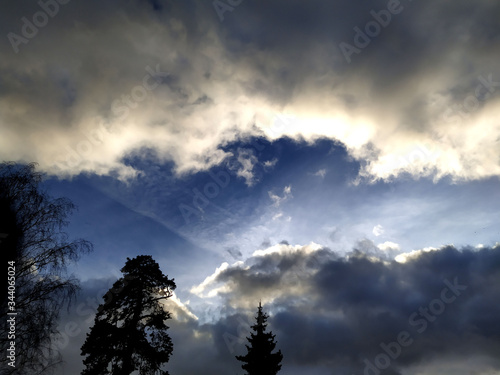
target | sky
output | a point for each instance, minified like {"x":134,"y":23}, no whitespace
{"x":337,"y":160}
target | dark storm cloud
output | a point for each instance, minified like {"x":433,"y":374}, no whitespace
{"x":424,"y":77}
{"x":426,"y":70}
{"x":416,"y":39}
{"x":444,"y":300}
{"x":349,"y":314}
{"x":359,"y":310}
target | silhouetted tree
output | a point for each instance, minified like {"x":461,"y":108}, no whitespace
{"x":129,"y":331}
{"x":37,"y":251}
{"x":260,"y":359}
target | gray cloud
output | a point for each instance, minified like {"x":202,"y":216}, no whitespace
{"x":337,"y":312}
{"x":331,"y":313}
{"x":421,"y":97}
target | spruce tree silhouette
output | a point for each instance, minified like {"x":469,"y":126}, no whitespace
{"x":129,"y":331}
{"x":260,"y":359}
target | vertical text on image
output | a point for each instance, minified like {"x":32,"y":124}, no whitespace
{"x":11,"y":314}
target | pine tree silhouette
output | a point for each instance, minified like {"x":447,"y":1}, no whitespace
{"x":129,"y":333}
{"x":260,"y":359}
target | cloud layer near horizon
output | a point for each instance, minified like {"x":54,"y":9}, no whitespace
{"x":337,"y":313}
{"x":102,"y":81}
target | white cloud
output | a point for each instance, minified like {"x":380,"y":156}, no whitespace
{"x":180,"y":310}
{"x":277,"y":216}
{"x":404,"y":257}
{"x":321,"y":173}
{"x":304,"y":264}
{"x":247,"y":161}
{"x":209,"y":280}
{"x":378,"y":230}
{"x":287,"y":194}
{"x":185,"y":118}
{"x":270,"y":163}
{"x":288,"y":249}
{"x":388,"y":246}
{"x":87,"y":111}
